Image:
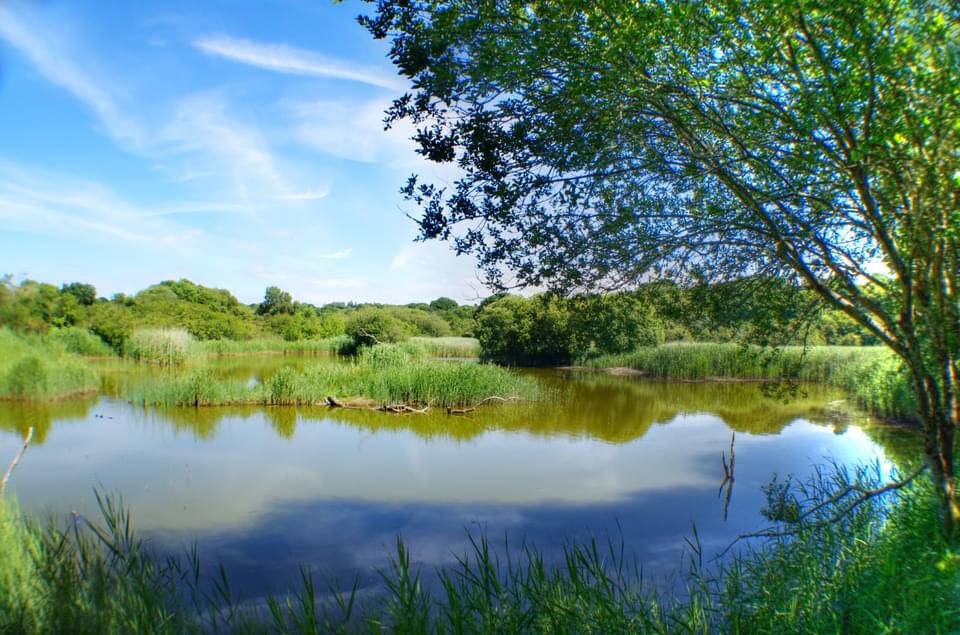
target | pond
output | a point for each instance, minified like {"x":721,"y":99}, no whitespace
{"x":266,"y":490}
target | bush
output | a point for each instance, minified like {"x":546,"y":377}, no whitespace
{"x":79,"y":341}
{"x":547,"y":329}
{"x":370,"y":326}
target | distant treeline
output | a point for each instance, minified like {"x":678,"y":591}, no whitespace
{"x":547,"y":329}
{"x":543,"y":329}
{"x":215,"y":314}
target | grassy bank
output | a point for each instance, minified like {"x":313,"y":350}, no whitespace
{"x":870,"y":374}
{"x":41,"y":367}
{"x":384,"y":374}
{"x":885,"y":568}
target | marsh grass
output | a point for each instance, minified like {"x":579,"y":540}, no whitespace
{"x":870,"y":374}
{"x":162,"y":347}
{"x":224,"y":348}
{"x":32,"y":368}
{"x":461,"y":347}
{"x":386,"y":374}
{"x":884,"y":568}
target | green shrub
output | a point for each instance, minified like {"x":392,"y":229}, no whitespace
{"x":549,"y":330}
{"x":79,"y":341}
{"x":369,"y":326}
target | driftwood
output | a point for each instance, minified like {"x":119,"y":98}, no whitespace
{"x":16,"y":460}
{"x":405,"y":408}
{"x":399,"y":408}
{"x":463,"y":411}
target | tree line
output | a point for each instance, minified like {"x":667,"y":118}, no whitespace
{"x":541,"y":329}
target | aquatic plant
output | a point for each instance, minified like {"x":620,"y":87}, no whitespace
{"x":164,"y":347}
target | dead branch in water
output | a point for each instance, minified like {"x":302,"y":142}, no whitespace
{"x":463,"y":411}
{"x":399,"y":408}
{"x":727,"y":477}
{"x":405,"y":408}
{"x":16,"y":459}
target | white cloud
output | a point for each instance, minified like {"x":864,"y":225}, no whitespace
{"x":46,"y":48}
{"x":47,"y":203}
{"x":354,"y":131}
{"x":282,"y":58}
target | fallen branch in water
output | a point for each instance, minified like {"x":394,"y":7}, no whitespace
{"x":399,"y":408}
{"x":463,"y":411}
{"x":403,"y":408}
{"x":16,"y":459}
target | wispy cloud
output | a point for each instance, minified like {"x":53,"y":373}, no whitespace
{"x":354,"y":130}
{"x":282,"y":58}
{"x":45,"y":47}
{"x":335,"y":255}
{"x":47,"y":203}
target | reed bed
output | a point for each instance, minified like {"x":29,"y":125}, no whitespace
{"x":884,"y":568}
{"x":386,"y":374}
{"x":460,"y":347}
{"x":325,"y":346}
{"x":870,"y":374}
{"x":163,"y":347}
{"x":32,"y":368}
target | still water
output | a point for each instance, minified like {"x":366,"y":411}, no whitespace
{"x":266,"y":490}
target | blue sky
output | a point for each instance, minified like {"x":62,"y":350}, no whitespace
{"x":238,"y":144}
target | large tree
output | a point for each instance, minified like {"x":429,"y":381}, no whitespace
{"x":602,"y":142}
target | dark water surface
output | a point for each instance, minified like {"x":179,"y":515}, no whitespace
{"x":265,"y":490}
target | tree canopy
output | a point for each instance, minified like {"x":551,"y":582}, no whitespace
{"x":601,"y":143}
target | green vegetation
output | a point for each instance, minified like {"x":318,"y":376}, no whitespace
{"x":883,"y":568}
{"x":78,"y":341}
{"x":215,"y":314}
{"x":705,"y":142}
{"x":35,"y":368}
{"x":870,"y":374}
{"x":386,"y":374}
{"x":461,"y":347}
{"x":164,"y":347}
{"x":322,"y":346}
{"x":547,"y":329}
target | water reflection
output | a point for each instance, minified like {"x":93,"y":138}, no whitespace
{"x":265,"y":489}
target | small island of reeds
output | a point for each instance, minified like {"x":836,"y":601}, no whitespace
{"x":384,"y":374}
